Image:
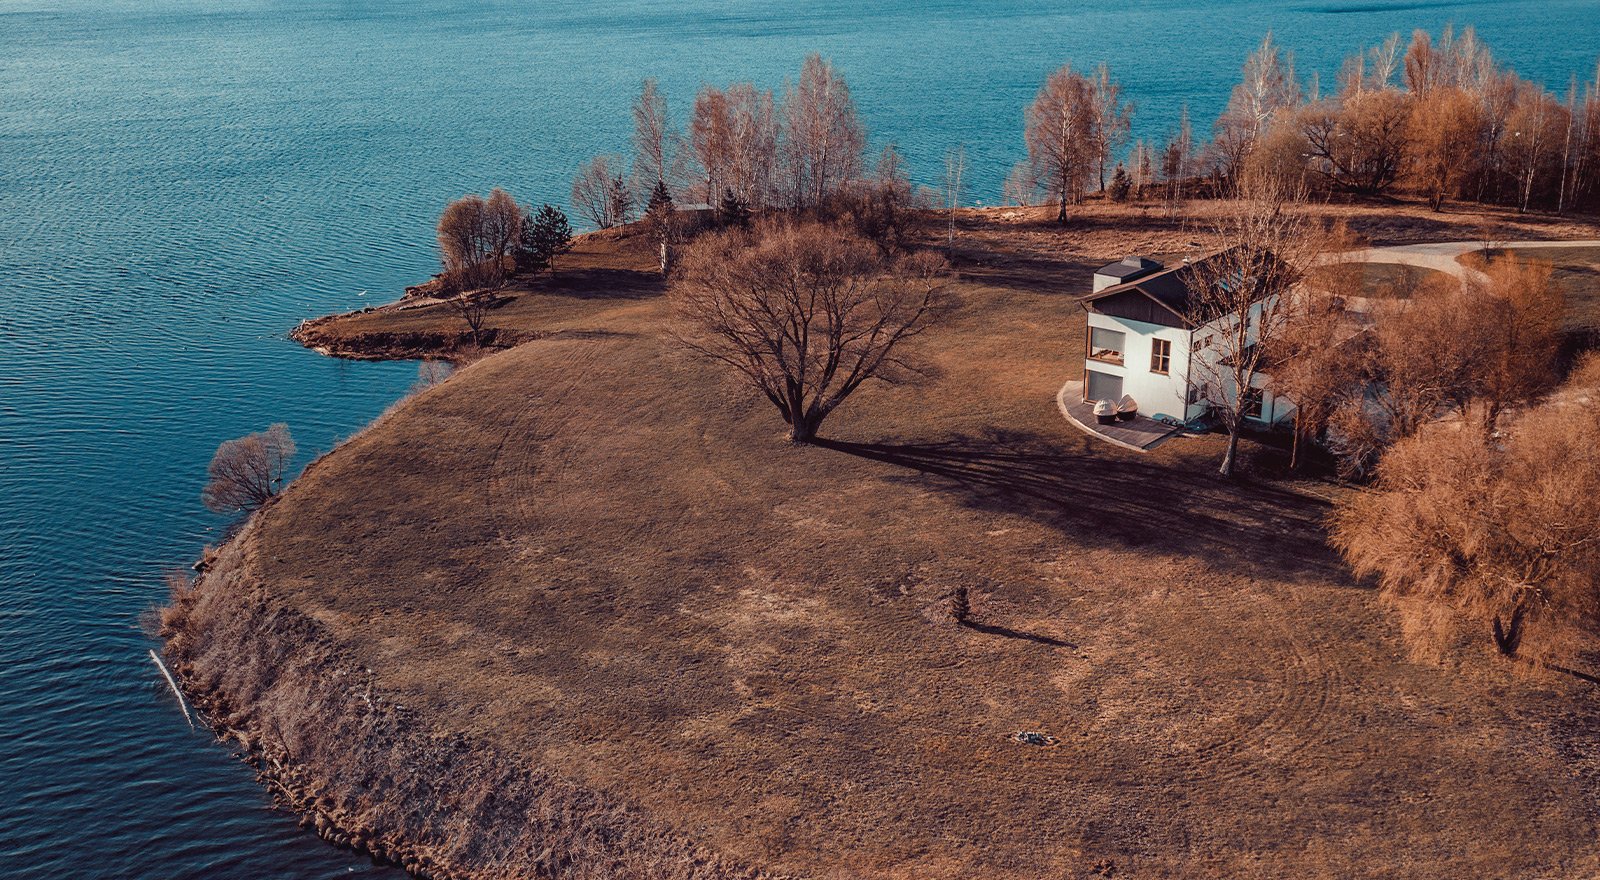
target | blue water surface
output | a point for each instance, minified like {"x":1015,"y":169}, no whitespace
{"x":181,"y":182}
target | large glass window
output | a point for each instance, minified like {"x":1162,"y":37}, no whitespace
{"x":1105,"y":345}
{"x":1103,"y":386}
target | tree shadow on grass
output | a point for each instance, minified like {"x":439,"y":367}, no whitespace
{"x":1119,"y":502}
{"x":602,"y":283}
{"x":1008,"y":632}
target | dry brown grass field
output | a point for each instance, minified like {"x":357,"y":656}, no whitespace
{"x":601,"y":554}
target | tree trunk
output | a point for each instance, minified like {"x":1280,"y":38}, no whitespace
{"x":803,"y":429}
{"x":1231,"y":454}
{"x":1508,"y":638}
{"x":1061,"y":212}
{"x":1294,"y":445}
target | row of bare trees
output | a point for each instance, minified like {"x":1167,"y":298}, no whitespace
{"x":743,"y":149}
{"x":1440,"y":117}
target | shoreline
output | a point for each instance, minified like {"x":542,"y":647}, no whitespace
{"x":266,"y":679}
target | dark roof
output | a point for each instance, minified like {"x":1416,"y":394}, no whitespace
{"x":1129,"y":268}
{"x":1174,"y":289}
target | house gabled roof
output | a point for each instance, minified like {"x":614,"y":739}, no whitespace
{"x":1175,"y":289}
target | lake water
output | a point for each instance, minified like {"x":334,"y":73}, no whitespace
{"x":182,"y":182}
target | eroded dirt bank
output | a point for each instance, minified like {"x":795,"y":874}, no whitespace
{"x":368,"y":773}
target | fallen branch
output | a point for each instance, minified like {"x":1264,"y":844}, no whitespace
{"x":182,"y":703}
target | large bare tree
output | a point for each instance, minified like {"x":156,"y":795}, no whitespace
{"x":654,"y":159}
{"x":245,"y":473}
{"x":1359,"y":141}
{"x":804,"y":313}
{"x":477,"y":237}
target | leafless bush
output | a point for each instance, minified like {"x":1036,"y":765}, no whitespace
{"x":246,"y":473}
{"x":429,"y":374}
{"x":1503,"y":534}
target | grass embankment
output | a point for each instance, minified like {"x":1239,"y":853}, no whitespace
{"x":621,"y":612}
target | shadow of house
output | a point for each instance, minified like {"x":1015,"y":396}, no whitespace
{"x":1114,"y":502}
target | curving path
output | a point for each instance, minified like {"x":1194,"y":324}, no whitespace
{"x":1444,"y":256}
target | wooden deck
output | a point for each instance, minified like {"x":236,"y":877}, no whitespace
{"x":1139,"y":434}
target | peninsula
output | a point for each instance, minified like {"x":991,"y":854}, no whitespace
{"x":582,"y":610}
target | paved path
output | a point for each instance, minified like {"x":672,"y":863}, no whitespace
{"x":1442,"y":257}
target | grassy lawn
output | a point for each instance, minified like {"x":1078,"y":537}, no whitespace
{"x":1577,"y":271}
{"x":600,"y":553}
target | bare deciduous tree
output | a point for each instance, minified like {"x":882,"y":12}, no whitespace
{"x":753,"y":124}
{"x":805,"y":313}
{"x":245,"y":473}
{"x":1506,"y":535}
{"x":1060,"y":135}
{"x":1360,"y":141}
{"x":823,"y":139}
{"x":1177,"y":161}
{"x":1021,"y":187}
{"x":431,"y":373}
{"x":955,"y":168}
{"x":1266,"y":88}
{"x":595,"y":193}
{"x":1516,"y":316}
{"x":711,"y":136}
{"x":1319,"y":355}
{"x":1112,"y":120}
{"x":653,"y":140}
{"x":1245,"y":290}
{"x":1444,"y":142}
{"x":477,"y":237}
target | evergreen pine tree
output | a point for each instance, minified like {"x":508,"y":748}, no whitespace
{"x":1120,"y":184}
{"x":733,"y":211}
{"x":545,"y":236}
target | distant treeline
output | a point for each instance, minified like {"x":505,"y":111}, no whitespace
{"x":1438,"y":118}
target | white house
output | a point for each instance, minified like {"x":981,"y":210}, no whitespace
{"x":1143,"y":342}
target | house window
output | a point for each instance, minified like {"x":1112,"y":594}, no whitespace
{"x":1253,"y":398}
{"x":1105,"y":345}
{"x":1203,"y":342}
{"x":1160,"y":356}
{"x":1102,"y":386}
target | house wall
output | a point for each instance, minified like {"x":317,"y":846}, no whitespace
{"x":1155,"y":393}
{"x":1274,"y":409}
